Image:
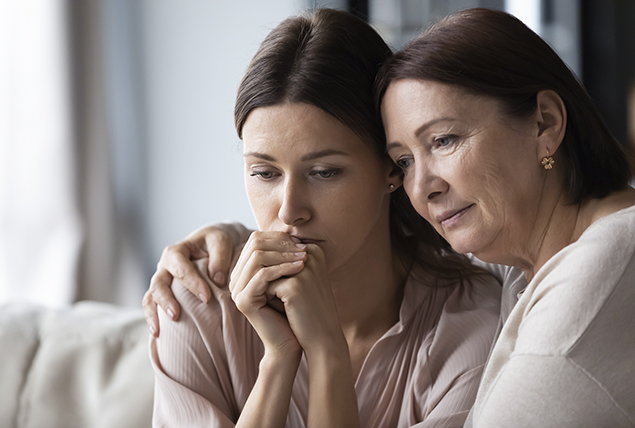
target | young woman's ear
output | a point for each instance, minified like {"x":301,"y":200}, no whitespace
{"x":395,"y":177}
{"x":551,"y":121}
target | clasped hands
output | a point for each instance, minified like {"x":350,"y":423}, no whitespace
{"x":279,"y":283}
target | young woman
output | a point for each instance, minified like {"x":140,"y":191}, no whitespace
{"x":346,"y":309}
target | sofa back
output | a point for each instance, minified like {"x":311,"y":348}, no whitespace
{"x":85,"y":366}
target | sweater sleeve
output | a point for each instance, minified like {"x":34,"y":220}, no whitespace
{"x":565,"y":355}
{"x":548,"y":391}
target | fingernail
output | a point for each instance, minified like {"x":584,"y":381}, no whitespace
{"x":299,"y":254}
{"x":302,"y":246}
{"x":295,"y":239}
{"x":219,"y":278}
{"x":171,"y":313}
{"x":153,"y":331}
{"x":299,"y":262}
{"x":203,"y":297}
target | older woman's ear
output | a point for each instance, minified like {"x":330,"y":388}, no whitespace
{"x":551,"y":120}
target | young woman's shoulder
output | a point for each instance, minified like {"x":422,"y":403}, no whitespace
{"x":206,"y":362}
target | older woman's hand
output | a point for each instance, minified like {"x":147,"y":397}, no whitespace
{"x":176,"y":262}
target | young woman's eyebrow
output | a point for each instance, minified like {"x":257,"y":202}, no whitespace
{"x":322,"y":153}
{"x":260,"y":156}
{"x":307,"y":157}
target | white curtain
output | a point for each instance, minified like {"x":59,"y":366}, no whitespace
{"x":64,"y":233}
{"x":40,"y":229}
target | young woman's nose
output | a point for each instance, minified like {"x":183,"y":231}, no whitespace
{"x":294,"y":206}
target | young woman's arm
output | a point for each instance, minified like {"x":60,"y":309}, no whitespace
{"x":260,"y":264}
{"x":211,"y":365}
{"x":312,"y":314}
{"x":202,"y":372}
{"x":268,"y":402}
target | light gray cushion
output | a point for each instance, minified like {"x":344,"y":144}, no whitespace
{"x":86,"y":366}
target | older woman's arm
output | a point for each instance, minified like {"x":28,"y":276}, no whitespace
{"x":565,"y":357}
{"x":213,"y":242}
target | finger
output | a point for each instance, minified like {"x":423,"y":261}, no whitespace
{"x":315,"y":250}
{"x":259,"y":259}
{"x":150,"y":313}
{"x":178,"y":264}
{"x":267,"y":241}
{"x":221,"y":251}
{"x":161,"y":293}
{"x":253,"y":294}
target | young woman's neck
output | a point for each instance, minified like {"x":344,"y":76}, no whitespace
{"x":368,"y":289}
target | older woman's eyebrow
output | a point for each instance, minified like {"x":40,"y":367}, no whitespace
{"x":391,"y":146}
{"x":420,"y":130}
{"x":426,"y":125}
{"x":307,"y":157}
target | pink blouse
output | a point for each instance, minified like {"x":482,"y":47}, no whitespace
{"x":423,"y":372}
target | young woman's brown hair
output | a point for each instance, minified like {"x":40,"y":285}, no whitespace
{"x":313,"y":60}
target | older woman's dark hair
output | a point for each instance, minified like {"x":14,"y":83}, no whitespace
{"x":330,"y":59}
{"x":492,"y":53}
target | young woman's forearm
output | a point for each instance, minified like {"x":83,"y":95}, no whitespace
{"x":332,"y":397}
{"x":268,"y":402}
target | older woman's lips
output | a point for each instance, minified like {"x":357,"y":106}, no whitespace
{"x":450,"y":218}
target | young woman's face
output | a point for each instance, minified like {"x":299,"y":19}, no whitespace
{"x":473,"y":173}
{"x":309,"y":175}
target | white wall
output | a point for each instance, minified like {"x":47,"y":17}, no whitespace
{"x":194,"y":55}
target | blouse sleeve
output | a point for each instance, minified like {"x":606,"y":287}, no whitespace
{"x":452,"y":410}
{"x":196,"y":361}
{"x":457,"y":355}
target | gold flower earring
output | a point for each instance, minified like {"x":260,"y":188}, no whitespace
{"x":547,"y":161}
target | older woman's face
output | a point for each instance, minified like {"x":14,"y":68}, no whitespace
{"x":309,"y":175}
{"x":469,"y":170}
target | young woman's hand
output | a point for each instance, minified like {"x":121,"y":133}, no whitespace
{"x":266,"y":258}
{"x":313,"y":318}
{"x":177,"y":262}
{"x":310,"y":307}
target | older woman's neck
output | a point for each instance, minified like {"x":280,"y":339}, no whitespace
{"x":529,"y":243}
{"x":555,"y":229}
{"x":566,"y":224}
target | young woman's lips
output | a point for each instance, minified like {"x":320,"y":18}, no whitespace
{"x":308,"y":240}
{"x":450,"y":218}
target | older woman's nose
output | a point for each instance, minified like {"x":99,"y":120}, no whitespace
{"x":294,"y":205}
{"x":427,"y":185}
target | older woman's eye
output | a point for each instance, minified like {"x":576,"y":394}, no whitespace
{"x":444,"y":141}
{"x":404,"y":163}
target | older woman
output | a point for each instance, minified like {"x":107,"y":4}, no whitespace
{"x":505,"y":155}
{"x":330,"y":318}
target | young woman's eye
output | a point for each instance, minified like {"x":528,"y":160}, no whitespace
{"x":265,"y":175}
{"x":326,"y":173}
